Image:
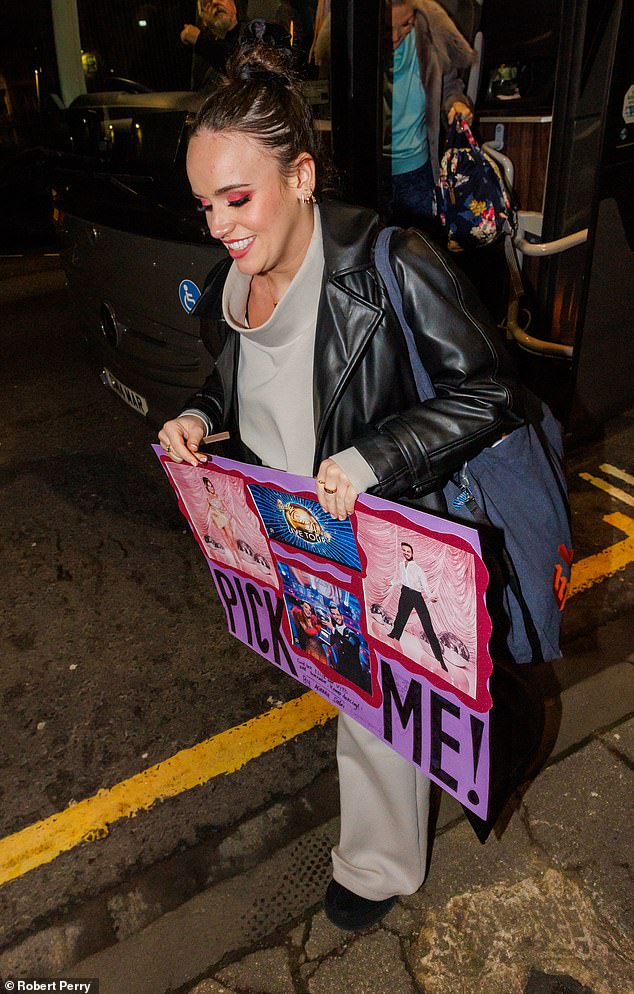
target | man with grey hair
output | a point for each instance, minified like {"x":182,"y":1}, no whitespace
{"x":214,"y":41}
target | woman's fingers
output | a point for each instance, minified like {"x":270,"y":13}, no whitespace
{"x":350,"y":499}
{"x":335,"y":493}
{"x":181,"y":437}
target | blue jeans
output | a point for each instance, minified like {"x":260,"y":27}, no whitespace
{"x":411,"y":203}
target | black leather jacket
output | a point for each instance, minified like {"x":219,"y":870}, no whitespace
{"x":364,"y":392}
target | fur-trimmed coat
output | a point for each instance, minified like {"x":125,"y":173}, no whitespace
{"x":442,"y":52}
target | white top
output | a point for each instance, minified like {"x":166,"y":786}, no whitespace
{"x":411,"y":575}
{"x":275,"y":371}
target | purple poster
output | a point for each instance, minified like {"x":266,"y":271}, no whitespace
{"x":383,"y":614}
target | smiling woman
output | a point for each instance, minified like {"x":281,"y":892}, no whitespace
{"x":313,"y":377}
{"x":259,"y":216}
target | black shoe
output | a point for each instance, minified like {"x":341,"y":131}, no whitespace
{"x":349,"y":911}
{"x":393,"y":635}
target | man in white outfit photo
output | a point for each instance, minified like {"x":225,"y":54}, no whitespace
{"x":414,"y":590}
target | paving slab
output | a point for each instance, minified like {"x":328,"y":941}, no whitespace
{"x":621,"y":741}
{"x":490,"y":940}
{"x":459,"y":861}
{"x":297,"y":936}
{"x":323,"y":937}
{"x":595,"y":702}
{"x":210,"y":987}
{"x":43,"y":954}
{"x":579,"y":814}
{"x":267,"y":971}
{"x":373,"y":964}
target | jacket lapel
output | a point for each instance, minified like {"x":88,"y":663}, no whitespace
{"x":349,"y":308}
{"x":345,"y":324}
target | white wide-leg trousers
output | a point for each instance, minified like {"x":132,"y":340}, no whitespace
{"x":382,"y":847}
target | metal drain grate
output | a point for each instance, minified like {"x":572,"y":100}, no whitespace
{"x":285,"y":891}
{"x":230,"y":917}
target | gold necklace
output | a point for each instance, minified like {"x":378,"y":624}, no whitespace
{"x":268,"y":286}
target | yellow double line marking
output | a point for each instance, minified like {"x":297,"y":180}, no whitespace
{"x":228,"y":751}
{"x":616,"y":557}
{"x":615,"y":492}
{"x":595,"y":568}
{"x":90,"y":819}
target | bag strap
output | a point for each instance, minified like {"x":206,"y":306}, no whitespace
{"x":426,"y":391}
{"x":383,"y":266}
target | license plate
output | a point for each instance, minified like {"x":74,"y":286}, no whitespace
{"x":131,"y":397}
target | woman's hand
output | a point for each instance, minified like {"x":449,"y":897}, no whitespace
{"x":334,"y":490}
{"x":181,"y":437}
{"x":460,"y":108}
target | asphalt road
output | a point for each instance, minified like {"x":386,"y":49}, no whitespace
{"x":114,"y":653}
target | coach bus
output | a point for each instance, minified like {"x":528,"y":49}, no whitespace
{"x":561,"y":128}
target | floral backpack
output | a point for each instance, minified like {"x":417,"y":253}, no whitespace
{"x":473,"y":201}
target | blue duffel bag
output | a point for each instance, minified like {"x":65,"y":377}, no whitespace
{"x":516,"y":491}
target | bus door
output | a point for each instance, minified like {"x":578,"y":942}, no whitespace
{"x":553,"y":78}
{"x":553,"y":94}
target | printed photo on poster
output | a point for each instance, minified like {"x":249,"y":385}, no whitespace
{"x":227,"y":529}
{"x":402,"y":650}
{"x":420,"y":596}
{"x":326,"y":625}
{"x":302,"y":523}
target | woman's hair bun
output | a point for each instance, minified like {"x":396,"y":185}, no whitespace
{"x":263,"y":55}
{"x":250,"y":74}
{"x":262,"y":98}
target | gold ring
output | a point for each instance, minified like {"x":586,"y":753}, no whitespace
{"x":329,"y":491}
{"x":168,"y":448}
{"x":322,"y":483}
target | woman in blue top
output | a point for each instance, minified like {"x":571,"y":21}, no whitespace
{"x":421,"y":85}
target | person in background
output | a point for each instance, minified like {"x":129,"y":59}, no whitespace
{"x":312,"y":376}
{"x":422,"y":92}
{"x":214,"y":41}
{"x":215,"y":49}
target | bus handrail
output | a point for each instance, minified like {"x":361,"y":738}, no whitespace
{"x":551,"y":248}
{"x":528,"y":342}
{"x":531,"y":221}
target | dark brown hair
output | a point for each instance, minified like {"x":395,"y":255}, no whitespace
{"x":262,"y":98}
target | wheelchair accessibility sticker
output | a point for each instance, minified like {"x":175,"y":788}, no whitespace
{"x":189,"y":294}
